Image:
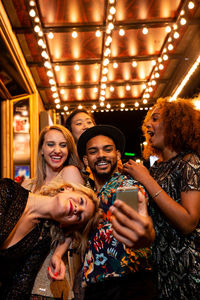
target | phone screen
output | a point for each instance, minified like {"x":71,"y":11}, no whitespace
{"x":129,"y":195}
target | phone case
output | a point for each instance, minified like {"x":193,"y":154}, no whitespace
{"x":129,"y":196}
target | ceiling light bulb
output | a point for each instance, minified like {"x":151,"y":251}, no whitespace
{"x":79,"y":90}
{"x":176,"y":35}
{"x":122,"y":105}
{"x":161,"y":67}
{"x":121,"y":32}
{"x":40,"y":42}
{"x":153,"y":62}
{"x":170,"y":47}
{"x":104,"y":78}
{"x":32,"y":13}
{"x":105,"y":71}
{"x":57,"y":101}
{"x":108,"y":105}
{"x":95,"y":90}
{"x":53,"y":89}
{"x":128,"y":88}
{"x":168,"y":29}
{"x":103,"y":92}
{"x":98,"y":33}
{"x":110,"y":17}
{"x":112,"y":10}
{"x":157,"y":75}
{"x":36,"y":20}
{"x":94,"y":106}
{"x":57,"y":68}
{"x":145,"y":101}
{"x":103,"y":86}
{"x":111,"y":1}
{"x":175,"y":26}
{"x":183,"y":21}
{"x":107,"y":52}
{"x":145,"y":30}
{"x":102,"y":98}
{"x":74,"y":34}
{"x":76,"y":67}
{"x":52,"y":82}
{"x":106,"y":62}
{"x":49,"y":73}
{"x":165,"y":57}
{"x":112,"y":89}
{"x":44,"y":54}
{"x":50,"y":35}
{"x":40,"y":33}
{"x":153,"y":82}
{"x":159,"y":59}
{"x":55,"y":95}
{"x":32,"y":3}
{"x":101,"y":104}
{"x":80,"y":106}
{"x":191,"y":5}
{"x":65,"y":107}
{"x":110,"y":26}
{"x":58,"y":106}
{"x":136,"y":104}
{"x":62,"y":91}
{"x":115,"y":65}
{"x":134,"y":64}
{"x":47,"y":64}
{"x":37,"y":28}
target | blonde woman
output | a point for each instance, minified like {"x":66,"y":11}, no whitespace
{"x":57,"y":158}
{"x":27,"y":222}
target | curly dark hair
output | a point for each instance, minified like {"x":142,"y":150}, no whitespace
{"x":181,"y":123}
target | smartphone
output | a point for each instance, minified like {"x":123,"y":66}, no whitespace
{"x":129,"y":195}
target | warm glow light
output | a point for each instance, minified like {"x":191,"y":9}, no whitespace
{"x":74,"y":34}
{"x":49,"y":73}
{"x":176,"y":35}
{"x":183,"y":21}
{"x":58,"y":106}
{"x":98,"y":33}
{"x":145,"y":30}
{"x":168,"y":29}
{"x":170,"y":47}
{"x":76,"y":67}
{"x":101,"y":104}
{"x":47,"y":64}
{"x":128,"y":87}
{"x":134,"y":64}
{"x":115,"y":65}
{"x":55,"y":95}
{"x":65,"y":107}
{"x":53,"y":89}
{"x":112,"y":89}
{"x":94,"y":106}
{"x":136,"y":104}
{"x":191,"y":5}
{"x":50,"y":35}
{"x":32,"y":13}
{"x":165,"y":57}
{"x":57,"y":101}
{"x":112,"y":10}
{"x":57,"y":68}
{"x":186,"y":78}
{"x":121,"y":32}
{"x":62,"y":91}
{"x":145,"y":101}
{"x":37,"y":28}
{"x":122,"y":105}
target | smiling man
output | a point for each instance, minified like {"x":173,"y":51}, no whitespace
{"x":111,"y":270}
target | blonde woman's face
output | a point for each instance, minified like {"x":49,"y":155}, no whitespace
{"x":54,"y":149}
{"x":74,"y":208}
{"x":80,"y":122}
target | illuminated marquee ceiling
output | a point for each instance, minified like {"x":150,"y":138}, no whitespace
{"x":106,"y":53}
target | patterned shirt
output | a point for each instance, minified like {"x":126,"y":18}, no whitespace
{"x":105,"y":256}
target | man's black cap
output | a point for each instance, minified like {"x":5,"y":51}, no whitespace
{"x":107,"y":130}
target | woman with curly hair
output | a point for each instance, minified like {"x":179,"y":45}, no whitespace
{"x":27,"y":222}
{"x":172,"y":131}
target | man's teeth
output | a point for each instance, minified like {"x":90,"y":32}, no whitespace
{"x":102,"y":163}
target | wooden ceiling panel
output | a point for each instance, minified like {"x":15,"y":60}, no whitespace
{"x":110,"y":38}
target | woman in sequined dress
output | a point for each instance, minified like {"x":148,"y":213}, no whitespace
{"x":28,"y":224}
{"x":172,"y":131}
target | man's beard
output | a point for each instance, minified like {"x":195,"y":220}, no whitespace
{"x":104,"y":176}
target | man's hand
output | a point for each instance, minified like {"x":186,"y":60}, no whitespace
{"x":134,"y":229}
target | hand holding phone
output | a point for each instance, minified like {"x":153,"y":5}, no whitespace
{"x":129,"y":195}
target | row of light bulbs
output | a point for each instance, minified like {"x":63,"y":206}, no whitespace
{"x":158,"y":65}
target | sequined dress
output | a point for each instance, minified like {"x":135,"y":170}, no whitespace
{"x":19,"y":263}
{"x":176,"y":256}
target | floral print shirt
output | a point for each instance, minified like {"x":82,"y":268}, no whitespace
{"x":105,"y":256}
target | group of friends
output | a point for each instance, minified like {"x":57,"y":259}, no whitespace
{"x":151,"y":253}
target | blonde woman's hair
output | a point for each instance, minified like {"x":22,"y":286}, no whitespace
{"x":72,"y":158}
{"x":79,"y":234}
